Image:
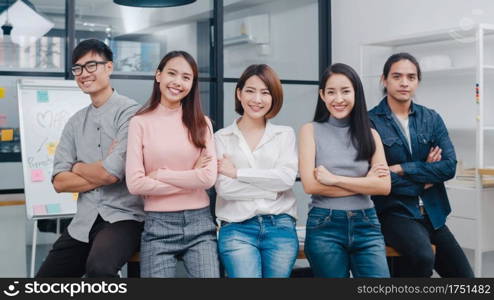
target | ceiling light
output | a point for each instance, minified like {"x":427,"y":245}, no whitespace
{"x":25,"y":24}
{"x":153,"y":3}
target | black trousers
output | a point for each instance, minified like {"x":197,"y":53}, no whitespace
{"x":109,"y":248}
{"x":412,"y":238}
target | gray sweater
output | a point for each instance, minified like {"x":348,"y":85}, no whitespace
{"x":335,"y":151}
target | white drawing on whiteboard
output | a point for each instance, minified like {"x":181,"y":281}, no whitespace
{"x":41,"y":146}
{"x":48,"y":119}
{"x":36,"y":164}
{"x":45,"y":119}
{"x":60,"y":119}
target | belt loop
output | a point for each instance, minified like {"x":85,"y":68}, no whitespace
{"x":259,"y":219}
{"x":328,"y":218}
{"x":366,"y":217}
{"x":273,"y":220}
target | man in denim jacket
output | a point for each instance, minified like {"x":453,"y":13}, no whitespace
{"x":421,"y":157}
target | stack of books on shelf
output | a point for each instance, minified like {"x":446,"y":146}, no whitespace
{"x":467,"y":177}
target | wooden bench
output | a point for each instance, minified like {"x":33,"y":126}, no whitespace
{"x":392,"y":256}
{"x":12,"y":203}
{"x":133,"y":268}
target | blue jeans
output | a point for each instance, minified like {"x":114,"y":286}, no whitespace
{"x":338,"y":241}
{"x":263,"y":246}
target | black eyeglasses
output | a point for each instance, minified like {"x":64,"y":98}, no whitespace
{"x":90,"y":66}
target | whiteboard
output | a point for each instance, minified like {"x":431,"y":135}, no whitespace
{"x":44,"y":108}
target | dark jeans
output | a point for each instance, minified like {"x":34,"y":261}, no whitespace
{"x":340,"y":241}
{"x":412,"y":238}
{"x":109,"y":248}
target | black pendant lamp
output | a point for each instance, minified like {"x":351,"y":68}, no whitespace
{"x":153,"y":3}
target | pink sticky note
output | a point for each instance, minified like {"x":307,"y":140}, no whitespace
{"x":3,"y":120}
{"x":37,"y":175}
{"x":39,"y":210}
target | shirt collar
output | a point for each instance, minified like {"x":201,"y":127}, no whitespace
{"x":108,"y":104}
{"x":270,"y":131}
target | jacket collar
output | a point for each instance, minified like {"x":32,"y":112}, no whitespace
{"x":383,"y":108}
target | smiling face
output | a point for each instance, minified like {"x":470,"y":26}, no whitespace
{"x":95,"y":82}
{"x":338,"y":95}
{"x":175,"y":81}
{"x":402,"y":81}
{"x":255,"y":98}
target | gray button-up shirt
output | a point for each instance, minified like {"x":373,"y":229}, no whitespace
{"x":87,"y":137}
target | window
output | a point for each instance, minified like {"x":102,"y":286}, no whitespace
{"x":36,"y":45}
{"x":140,"y":37}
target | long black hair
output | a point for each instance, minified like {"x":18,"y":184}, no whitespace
{"x":360,"y":127}
{"x":192,"y":116}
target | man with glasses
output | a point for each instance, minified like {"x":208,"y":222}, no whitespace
{"x":90,"y":160}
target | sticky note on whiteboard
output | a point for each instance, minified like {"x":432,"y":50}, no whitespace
{"x":2,"y":92}
{"x":37,"y":175}
{"x":51,"y":147}
{"x":42,"y":96}
{"x":3,"y":120}
{"x":53,"y":208}
{"x":7,"y":135}
{"x":39,"y":210}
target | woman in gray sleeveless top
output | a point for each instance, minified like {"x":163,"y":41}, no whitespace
{"x":342,"y":162}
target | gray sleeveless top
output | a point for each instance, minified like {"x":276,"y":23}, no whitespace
{"x":335,"y":151}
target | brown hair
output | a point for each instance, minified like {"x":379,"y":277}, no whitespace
{"x":193,"y":118}
{"x":272,"y":82}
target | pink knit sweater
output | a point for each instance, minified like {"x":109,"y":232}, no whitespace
{"x":158,"y":140}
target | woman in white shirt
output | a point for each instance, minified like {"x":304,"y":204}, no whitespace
{"x":257,"y":167}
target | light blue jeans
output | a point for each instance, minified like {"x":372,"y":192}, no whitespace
{"x":264,"y":246}
{"x":338,"y":241}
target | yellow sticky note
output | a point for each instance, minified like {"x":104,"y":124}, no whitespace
{"x":2,"y":92}
{"x":7,"y":135}
{"x":75,"y":196}
{"x":51,"y":148}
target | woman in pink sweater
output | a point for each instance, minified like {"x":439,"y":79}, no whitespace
{"x":171,"y":161}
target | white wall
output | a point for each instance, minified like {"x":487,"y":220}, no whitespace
{"x":359,"y":21}
{"x":293,"y":41}
{"x":182,"y":37}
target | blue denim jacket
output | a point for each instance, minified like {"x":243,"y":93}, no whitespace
{"x":427,"y":130}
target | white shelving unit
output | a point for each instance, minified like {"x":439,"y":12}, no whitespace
{"x":462,"y":85}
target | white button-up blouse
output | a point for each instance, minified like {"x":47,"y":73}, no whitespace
{"x":265,"y":176}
